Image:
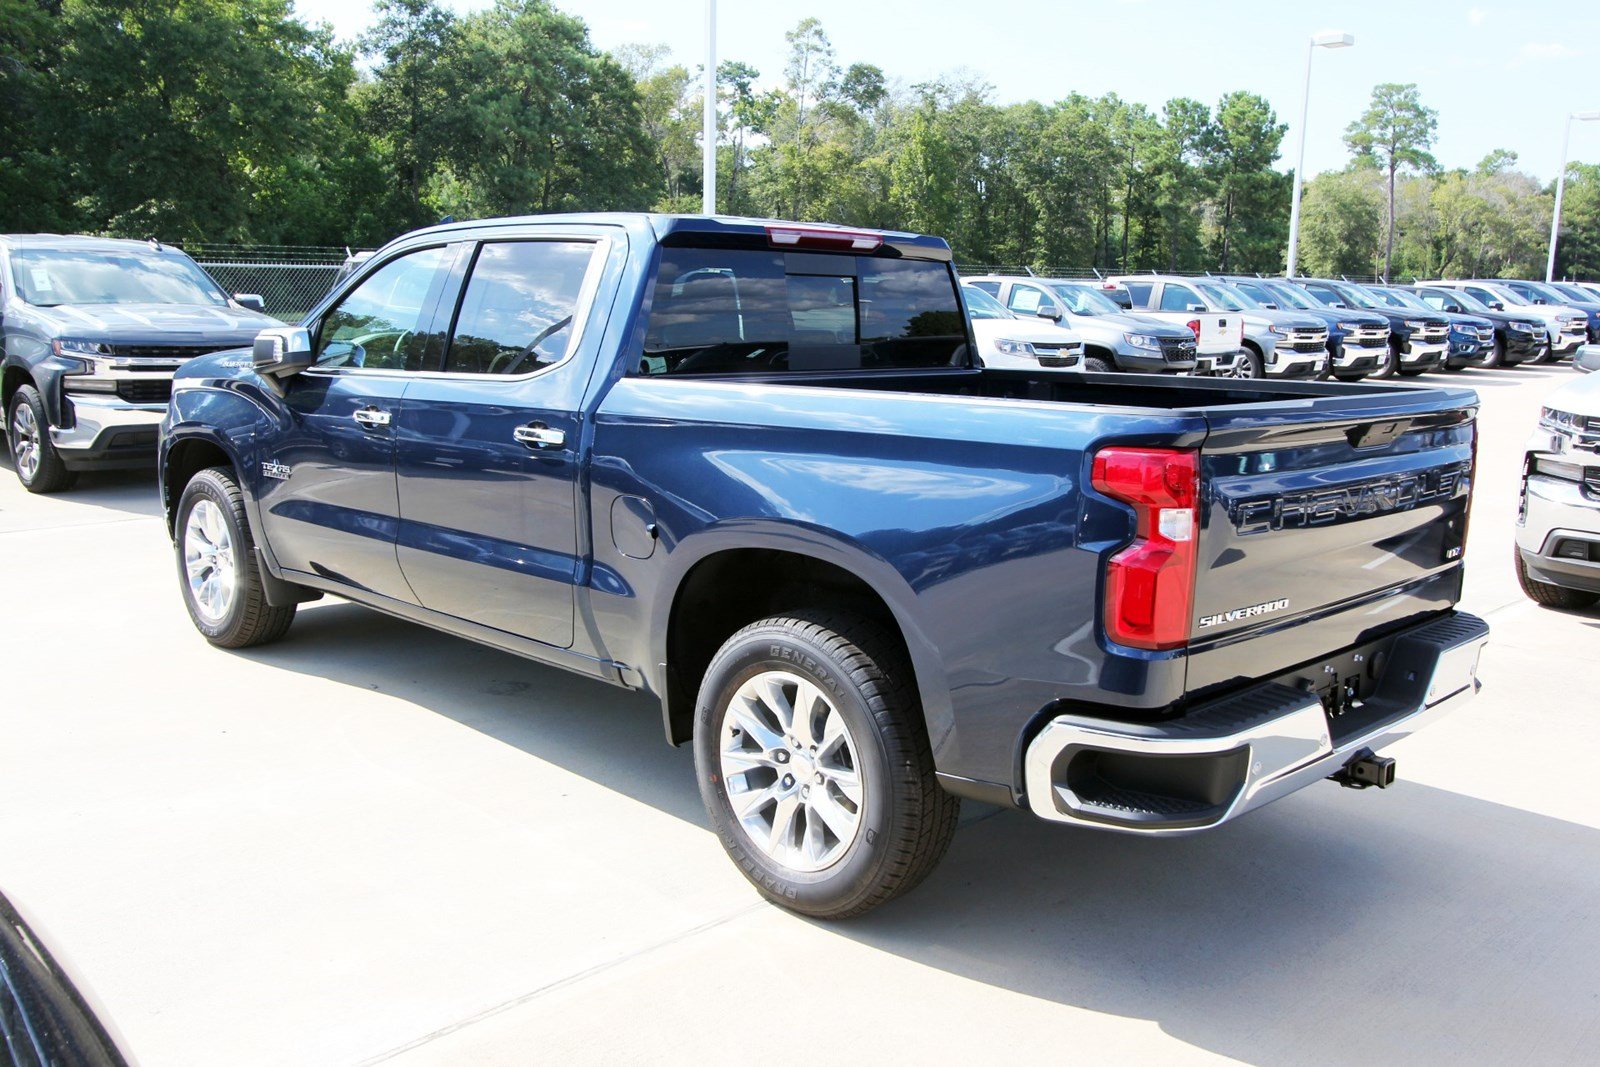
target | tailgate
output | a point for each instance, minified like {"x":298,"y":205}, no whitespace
{"x":1327,"y":524}
{"x":1219,"y":333}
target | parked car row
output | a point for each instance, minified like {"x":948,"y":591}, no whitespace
{"x":1249,"y":327}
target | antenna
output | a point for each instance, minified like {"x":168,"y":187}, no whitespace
{"x":155,"y":244}
{"x":1030,"y":272}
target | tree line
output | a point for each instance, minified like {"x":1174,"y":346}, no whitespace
{"x":230,"y":120}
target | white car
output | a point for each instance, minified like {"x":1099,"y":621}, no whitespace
{"x":1558,"y":524}
{"x":1009,"y":341}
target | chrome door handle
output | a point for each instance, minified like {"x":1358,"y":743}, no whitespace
{"x":372,"y":418}
{"x":540,"y":436}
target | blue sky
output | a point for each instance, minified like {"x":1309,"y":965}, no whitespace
{"x":1501,"y":75}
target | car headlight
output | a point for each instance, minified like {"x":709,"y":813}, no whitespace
{"x":1349,"y":327}
{"x":1281,"y":331}
{"x":1142,"y":340}
{"x":1013,"y":348}
{"x":80,"y":348}
{"x":1520,"y":327}
{"x":1415,"y":324}
{"x":1556,"y":419}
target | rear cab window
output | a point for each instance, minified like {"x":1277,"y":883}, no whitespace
{"x":749,"y":311}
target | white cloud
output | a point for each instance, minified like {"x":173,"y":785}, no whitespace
{"x":1476,"y":16}
{"x":1545,"y":51}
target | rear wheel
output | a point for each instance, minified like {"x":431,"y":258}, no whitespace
{"x":40,"y":467}
{"x":217,"y":568}
{"x":815,"y":767}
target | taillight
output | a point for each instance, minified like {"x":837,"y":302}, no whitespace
{"x":1194,"y":327}
{"x":1150,"y":583}
{"x":823,"y":237}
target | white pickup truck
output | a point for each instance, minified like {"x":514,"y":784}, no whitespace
{"x":1218,"y":336}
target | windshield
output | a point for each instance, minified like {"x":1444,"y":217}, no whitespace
{"x":47,"y":277}
{"x":1356,"y":296}
{"x":1083,"y":300}
{"x":1467,"y":301}
{"x":1291,"y":296}
{"x":1389,"y":298}
{"x":1572,"y":292}
{"x":980,"y":305}
{"x":1246,"y":301}
{"x":1221,"y":296}
{"x":1546,"y":292}
{"x":1408,"y":300}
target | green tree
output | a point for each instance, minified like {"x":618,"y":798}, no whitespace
{"x":1394,"y":134}
{"x":1239,"y":151}
{"x":411,"y":101}
{"x":34,"y":181}
{"x":670,"y":112}
{"x":1340,"y":222}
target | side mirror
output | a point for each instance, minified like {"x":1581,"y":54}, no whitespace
{"x":250,"y":301}
{"x":1198,"y":307}
{"x":1270,"y":307}
{"x":1339,"y":305}
{"x":1049,"y":311}
{"x":281,"y":351}
{"x":1496,"y":305}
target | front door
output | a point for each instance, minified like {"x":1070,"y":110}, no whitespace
{"x":487,"y":450}
{"x":329,"y":503}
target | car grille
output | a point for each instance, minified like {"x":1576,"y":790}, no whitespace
{"x":1308,"y":340}
{"x":165,"y":351}
{"x":145,"y":391}
{"x":1486,"y":334}
{"x":1176,"y":350}
{"x":1057,"y":355}
{"x":1434,"y":332}
{"x":1575,"y":329}
{"x":1369,"y":335}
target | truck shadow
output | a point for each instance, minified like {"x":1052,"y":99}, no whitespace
{"x":1415,"y":922}
{"x":132,"y":492}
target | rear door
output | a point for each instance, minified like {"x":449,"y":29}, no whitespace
{"x":488,"y":447}
{"x":1324,"y":526}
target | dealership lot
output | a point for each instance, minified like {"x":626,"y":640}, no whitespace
{"x":372,"y":842}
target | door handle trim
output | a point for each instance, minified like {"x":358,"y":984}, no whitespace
{"x":538,"y":435}
{"x":372,"y":418}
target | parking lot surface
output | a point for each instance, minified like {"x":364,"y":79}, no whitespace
{"x":374,"y":843}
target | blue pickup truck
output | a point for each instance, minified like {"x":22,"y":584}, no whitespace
{"x":757,"y":469}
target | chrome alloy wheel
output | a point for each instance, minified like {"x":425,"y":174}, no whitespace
{"x":208,"y":561}
{"x":25,"y":441}
{"x":789,"y":766}
{"x":1242,"y":368}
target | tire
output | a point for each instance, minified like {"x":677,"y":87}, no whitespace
{"x":1388,"y":368}
{"x":1096,"y":365}
{"x":1542,"y":358}
{"x":211,"y":525}
{"x":39,"y":465}
{"x":790,"y":784}
{"x":1248,"y":365}
{"x":1497,"y":354}
{"x":1551,"y":596}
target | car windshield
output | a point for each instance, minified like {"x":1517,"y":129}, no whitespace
{"x":1572,"y":292}
{"x":1292,"y":296}
{"x":1407,"y":299}
{"x":47,"y":277}
{"x":1245,"y":301}
{"x":1547,"y":293}
{"x":980,"y":305}
{"x":1389,"y":298}
{"x":1084,"y":300}
{"x":1465,"y":299}
{"x":1356,"y":296}
{"x":1220,"y":296}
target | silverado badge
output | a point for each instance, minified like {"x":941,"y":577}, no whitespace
{"x":1250,"y":612}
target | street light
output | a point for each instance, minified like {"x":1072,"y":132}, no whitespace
{"x":708,"y":195}
{"x":1321,"y":40}
{"x":1561,"y":184}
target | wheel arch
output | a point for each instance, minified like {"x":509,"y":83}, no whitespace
{"x":735,"y":579}
{"x":181,"y":459}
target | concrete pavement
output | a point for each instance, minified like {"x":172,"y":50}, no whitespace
{"x":372,"y":843}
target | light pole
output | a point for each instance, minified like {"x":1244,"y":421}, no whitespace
{"x":708,"y":196}
{"x":1321,"y":40}
{"x":1561,"y":185}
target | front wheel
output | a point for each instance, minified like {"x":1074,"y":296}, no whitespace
{"x":1389,"y":365}
{"x":1551,"y":596}
{"x":1248,"y":365}
{"x":1497,"y":354}
{"x":217,"y":567}
{"x":814,"y":764}
{"x":1542,"y":354}
{"x":40,"y":468}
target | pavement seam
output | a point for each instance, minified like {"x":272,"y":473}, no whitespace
{"x":561,"y":983}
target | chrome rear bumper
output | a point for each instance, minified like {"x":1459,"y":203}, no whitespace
{"x":1236,"y":754}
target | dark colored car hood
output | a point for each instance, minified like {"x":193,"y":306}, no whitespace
{"x":149,"y":324}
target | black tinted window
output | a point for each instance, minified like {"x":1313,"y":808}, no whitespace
{"x":380,"y":323}
{"x":517,"y":312}
{"x":726,"y":311}
{"x":1140,"y":292}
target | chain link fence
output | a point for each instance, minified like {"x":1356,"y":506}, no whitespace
{"x":290,"y":279}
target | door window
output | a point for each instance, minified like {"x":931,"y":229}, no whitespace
{"x":518,"y":309}
{"x":1025,"y":299}
{"x":1140,"y":292}
{"x":382,"y":323}
{"x":1177,"y":298}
